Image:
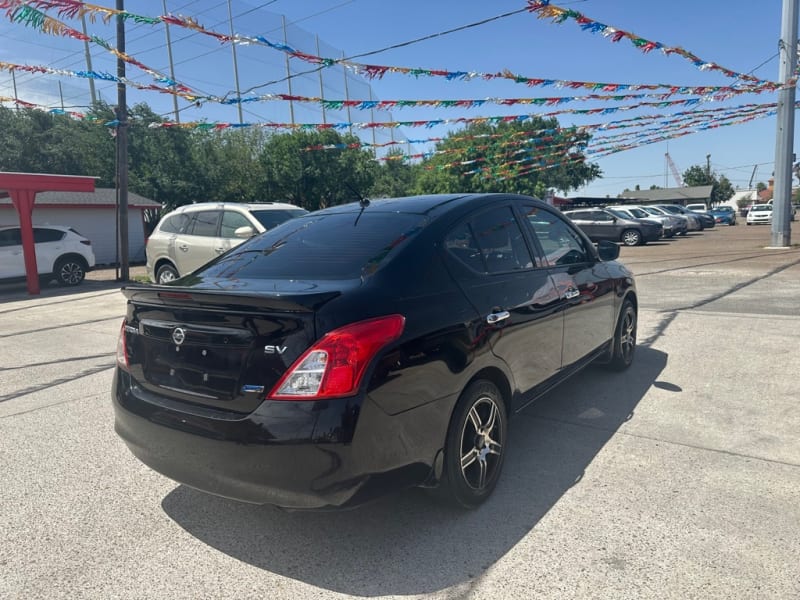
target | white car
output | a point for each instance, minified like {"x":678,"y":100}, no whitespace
{"x":759,"y":213}
{"x":62,"y":254}
{"x":192,"y":235}
{"x":699,"y":207}
{"x":672,"y":224}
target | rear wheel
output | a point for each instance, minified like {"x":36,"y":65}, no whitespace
{"x":69,"y":270}
{"x":624,"y":344}
{"x":631,"y":237}
{"x":166,"y":273}
{"x":475,"y":446}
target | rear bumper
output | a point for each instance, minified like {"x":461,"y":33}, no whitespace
{"x":297,"y":455}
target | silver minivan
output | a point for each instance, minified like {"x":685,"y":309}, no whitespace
{"x":192,"y":235}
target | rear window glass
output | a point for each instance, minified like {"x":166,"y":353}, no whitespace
{"x":42,"y":235}
{"x":272,"y":218}
{"x":334,"y":246}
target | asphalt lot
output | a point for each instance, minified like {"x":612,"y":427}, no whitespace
{"x":677,"y":479}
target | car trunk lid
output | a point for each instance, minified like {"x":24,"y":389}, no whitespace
{"x":223,"y":350}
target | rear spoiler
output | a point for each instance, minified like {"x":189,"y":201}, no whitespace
{"x":225,"y":300}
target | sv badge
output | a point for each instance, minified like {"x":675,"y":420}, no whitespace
{"x":274,"y":349}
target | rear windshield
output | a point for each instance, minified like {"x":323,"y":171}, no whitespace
{"x":333,"y":246}
{"x":271,"y":218}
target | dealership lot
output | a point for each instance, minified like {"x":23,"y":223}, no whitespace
{"x":679,"y":478}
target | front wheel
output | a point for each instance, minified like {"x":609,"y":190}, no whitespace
{"x":475,"y":446}
{"x":624,"y":343}
{"x":631,"y":237}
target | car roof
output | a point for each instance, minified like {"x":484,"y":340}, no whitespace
{"x":58,"y":227}
{"x":423,"y":204}
{"x":240,"y":205}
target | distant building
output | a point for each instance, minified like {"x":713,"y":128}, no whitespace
{"x":680,"y":195}
{"x":94,"y":215}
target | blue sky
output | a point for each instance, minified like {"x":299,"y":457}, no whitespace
{"x":739,"y":35}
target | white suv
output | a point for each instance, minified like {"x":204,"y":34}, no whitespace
{"x":191,"y":235}
{"x":61,"y":253}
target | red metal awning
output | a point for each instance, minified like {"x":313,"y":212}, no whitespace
{"x":23,"y":187}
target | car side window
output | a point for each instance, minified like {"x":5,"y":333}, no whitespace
{"x":602,"y":216}
{"x":204,"y":223}
{"x":175,"y":224}
{"x":491,"y":242}
{"x":560,"y":243}
{"x":231,"y":221}
{"x":10,"y":237}
{"x":42,"y":235}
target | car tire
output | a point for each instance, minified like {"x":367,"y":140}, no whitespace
{"x":631,"y":237}
{"x":624,"y":342}
{"x":166,"y":273}
{"x":69,"y":270}
{"x":474,"y":447}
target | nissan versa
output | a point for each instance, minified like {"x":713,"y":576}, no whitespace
{"x":367,"y":348}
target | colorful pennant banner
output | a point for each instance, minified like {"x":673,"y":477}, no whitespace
{"x":77,"y":9}
{"x":544,"y":10}
{"x":20,"y":11}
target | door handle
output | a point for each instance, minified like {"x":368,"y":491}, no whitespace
{"x":184,"y":247}
{"x":496,"y":317}
{"x":219,"y":250}
{"x":571,"y":293}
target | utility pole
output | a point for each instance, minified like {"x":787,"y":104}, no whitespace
{"x":787,"y":46}
{"x":171,"y":64}
{"x":122,"y":147}
{"x":235,"y":67}
{"x":87,"y":53}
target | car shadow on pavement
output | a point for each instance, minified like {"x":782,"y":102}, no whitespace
{"x":14,"y":292}
{"x":409,"y":544}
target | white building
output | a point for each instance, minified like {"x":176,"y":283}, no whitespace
{"x":92,"y":215}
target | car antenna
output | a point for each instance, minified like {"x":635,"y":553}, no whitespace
{"x":363,"y":201}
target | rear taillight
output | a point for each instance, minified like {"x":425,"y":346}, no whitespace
{"x":335,"y":365}
{"x":122,"y":349}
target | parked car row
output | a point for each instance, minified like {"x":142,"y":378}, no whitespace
{"x":633,"y":225}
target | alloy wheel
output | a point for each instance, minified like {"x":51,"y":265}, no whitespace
{"x":481,"y":443}
{"x":71,"y":273}
{"x":627,"y":339}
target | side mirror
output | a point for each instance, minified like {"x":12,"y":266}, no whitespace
{"x":607,"y":250}
{"x":244,"y":232}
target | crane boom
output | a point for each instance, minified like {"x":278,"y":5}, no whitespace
{"x":675,"y":174}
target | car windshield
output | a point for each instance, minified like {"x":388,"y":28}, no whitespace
{"x":618,"y":213}
{"x":673,"y":209}
{"x":652,"y":211}
{"x":762,"y":207}
{"x":271,"y":218}
{"x":637,"y":212}
{"x":723,"y":209}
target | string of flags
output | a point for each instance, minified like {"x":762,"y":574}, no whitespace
{"x":25,"y":11}
{"x":22,"y":12}
{"x":545,"y":10}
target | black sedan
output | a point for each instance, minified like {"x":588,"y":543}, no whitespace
{"x":367,"y":348}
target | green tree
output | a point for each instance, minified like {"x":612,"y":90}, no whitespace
{"x":394,"y":177}
{"x":721,"y":190}
{"x":515,"y":157}
{"x":315,"y":178}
